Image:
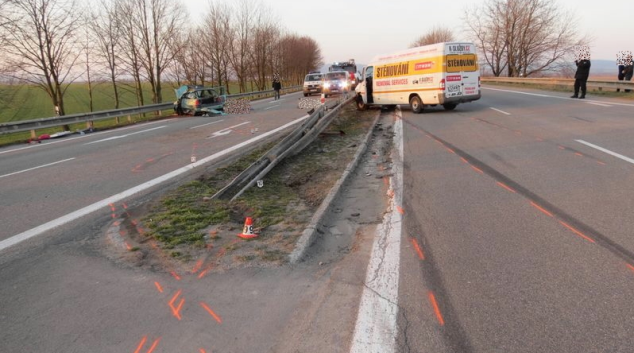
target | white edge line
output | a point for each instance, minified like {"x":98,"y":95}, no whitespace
{"x":376,"y":326}
{"x":600,"y":104}
{"x":92,"y":134}
{"x":605,"y":150}
{"x":34,"y":168}
{"x":556,"y":97}
{"x":139,"y":188}
{"x":211,"y":123}
{"x":500,"y":111}
{"x":275,"y":106}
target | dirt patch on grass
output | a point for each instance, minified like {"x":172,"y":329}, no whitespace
{"x":185,"y":230}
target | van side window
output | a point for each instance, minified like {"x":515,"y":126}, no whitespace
{"x":369,"y":71}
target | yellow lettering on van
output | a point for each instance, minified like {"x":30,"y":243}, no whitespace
{"x":393,"y":70}
{"x":461,"y":62}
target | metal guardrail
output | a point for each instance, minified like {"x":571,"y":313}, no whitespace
{"x":32,"y":125}
{"x":291,"y":145}
{"x":600,"y":84}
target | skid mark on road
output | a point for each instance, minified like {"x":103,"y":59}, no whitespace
{"x":540,"y":139}
{"x":578,"y":228}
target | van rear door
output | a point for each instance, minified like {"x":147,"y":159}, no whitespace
{"x":462,"y":78}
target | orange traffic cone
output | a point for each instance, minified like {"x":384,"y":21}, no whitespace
{"x":247,"y":232}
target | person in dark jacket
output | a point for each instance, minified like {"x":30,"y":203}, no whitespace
{"x":581,"y":78}
{"x":621,"y":75}
{"x":627,"y":71}
{"x":277,"y":86}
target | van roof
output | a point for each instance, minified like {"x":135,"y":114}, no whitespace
{"x":426,"y":49}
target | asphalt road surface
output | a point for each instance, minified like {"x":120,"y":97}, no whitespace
{"x":509,"y":229}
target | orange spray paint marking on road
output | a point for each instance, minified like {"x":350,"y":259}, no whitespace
{"x":197,"y":267}
{"x":505,"y":186}
{"x":630,"y":267}
{"x":204,"y":272}
{"x":578,"y":154}
{"x":128,"y":246}
{"x":202,"y":351}
{"x":450,"y":150}
{"x":158,"y":286}
{"x":434,"y":304}
{"x":601,"y":163}
{"x":175,"y":275}
{"x":477,"y":169}
{"x":141,"y":344}
{"x":386,"y":181}
{"x":211,"y":312}
{"x":116,"y":223}
{"x":153,"y":347}
{"x":576,"y":231}
{"x":400,"y":210}
{"x":134,"y":222}
{"x":125,"y":206}
{"x":112,"y":207}
{"x":539,"y":139}
{"x":176,"y":310}
{"x":419,"y":251}
{"x":122,"y":232}
{"x":464,"y":160}
{"x":561,"y":147}
{"x":541,"y":209}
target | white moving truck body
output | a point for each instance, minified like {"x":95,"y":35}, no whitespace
{"x":443,"y":73}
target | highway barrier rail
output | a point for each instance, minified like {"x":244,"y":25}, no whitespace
{"x":569,"y":82}
{"x":291,"y":145}
{"x":88,"y":118}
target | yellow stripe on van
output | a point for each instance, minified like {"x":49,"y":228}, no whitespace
{"x":409,"y":90}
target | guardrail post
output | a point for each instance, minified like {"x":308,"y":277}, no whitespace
{"x":89,"y":125}
{"x":33,"y":134}
{"x":116,"y":120}
{"x":129,"y":118}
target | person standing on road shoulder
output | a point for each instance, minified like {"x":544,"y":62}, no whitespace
{"x":581,"y":78}
{"x":627,"y":71}
{"x":277,"y":86}
{"x":621,"y":75}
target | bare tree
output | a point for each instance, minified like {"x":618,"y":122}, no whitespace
{"x":523,"y":37}
{"x":158,"y":24}
{"x":106,"y":28}
{"x":218,"y":40}
{"x":265,"y":35}
{"x":436,"y":35}
{"x":40,"y":46}
{"x":130,"y":45}
{"x":245,"y":12}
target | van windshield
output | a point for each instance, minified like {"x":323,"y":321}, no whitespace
{"x":313,"y":77}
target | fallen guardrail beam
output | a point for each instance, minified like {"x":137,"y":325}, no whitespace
{"x":292,"y":144}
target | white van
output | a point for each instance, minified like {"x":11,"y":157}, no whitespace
{"x":443,"y":73}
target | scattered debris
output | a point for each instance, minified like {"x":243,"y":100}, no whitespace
{"x":238,"y":106}
{"x":308,"y":103}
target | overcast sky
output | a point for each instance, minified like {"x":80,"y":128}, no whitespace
{"x":361,"y":29}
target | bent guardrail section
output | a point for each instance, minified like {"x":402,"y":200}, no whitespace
{"x":292,"y":144}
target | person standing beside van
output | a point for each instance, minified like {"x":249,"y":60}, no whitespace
{"x":277,"y":86}
{"x":581,"y":78}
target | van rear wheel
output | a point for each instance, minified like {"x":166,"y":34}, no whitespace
{"x":450,"y":106}
{"x":416,"y":104}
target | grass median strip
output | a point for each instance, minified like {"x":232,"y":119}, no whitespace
{"x":187,"y":224}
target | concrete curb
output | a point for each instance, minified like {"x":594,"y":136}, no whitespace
{"x":310,"y":233}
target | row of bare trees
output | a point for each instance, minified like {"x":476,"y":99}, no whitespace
{"x":517,"y":37}
{"x":245,"y":41}
{"x":131,"y":43}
